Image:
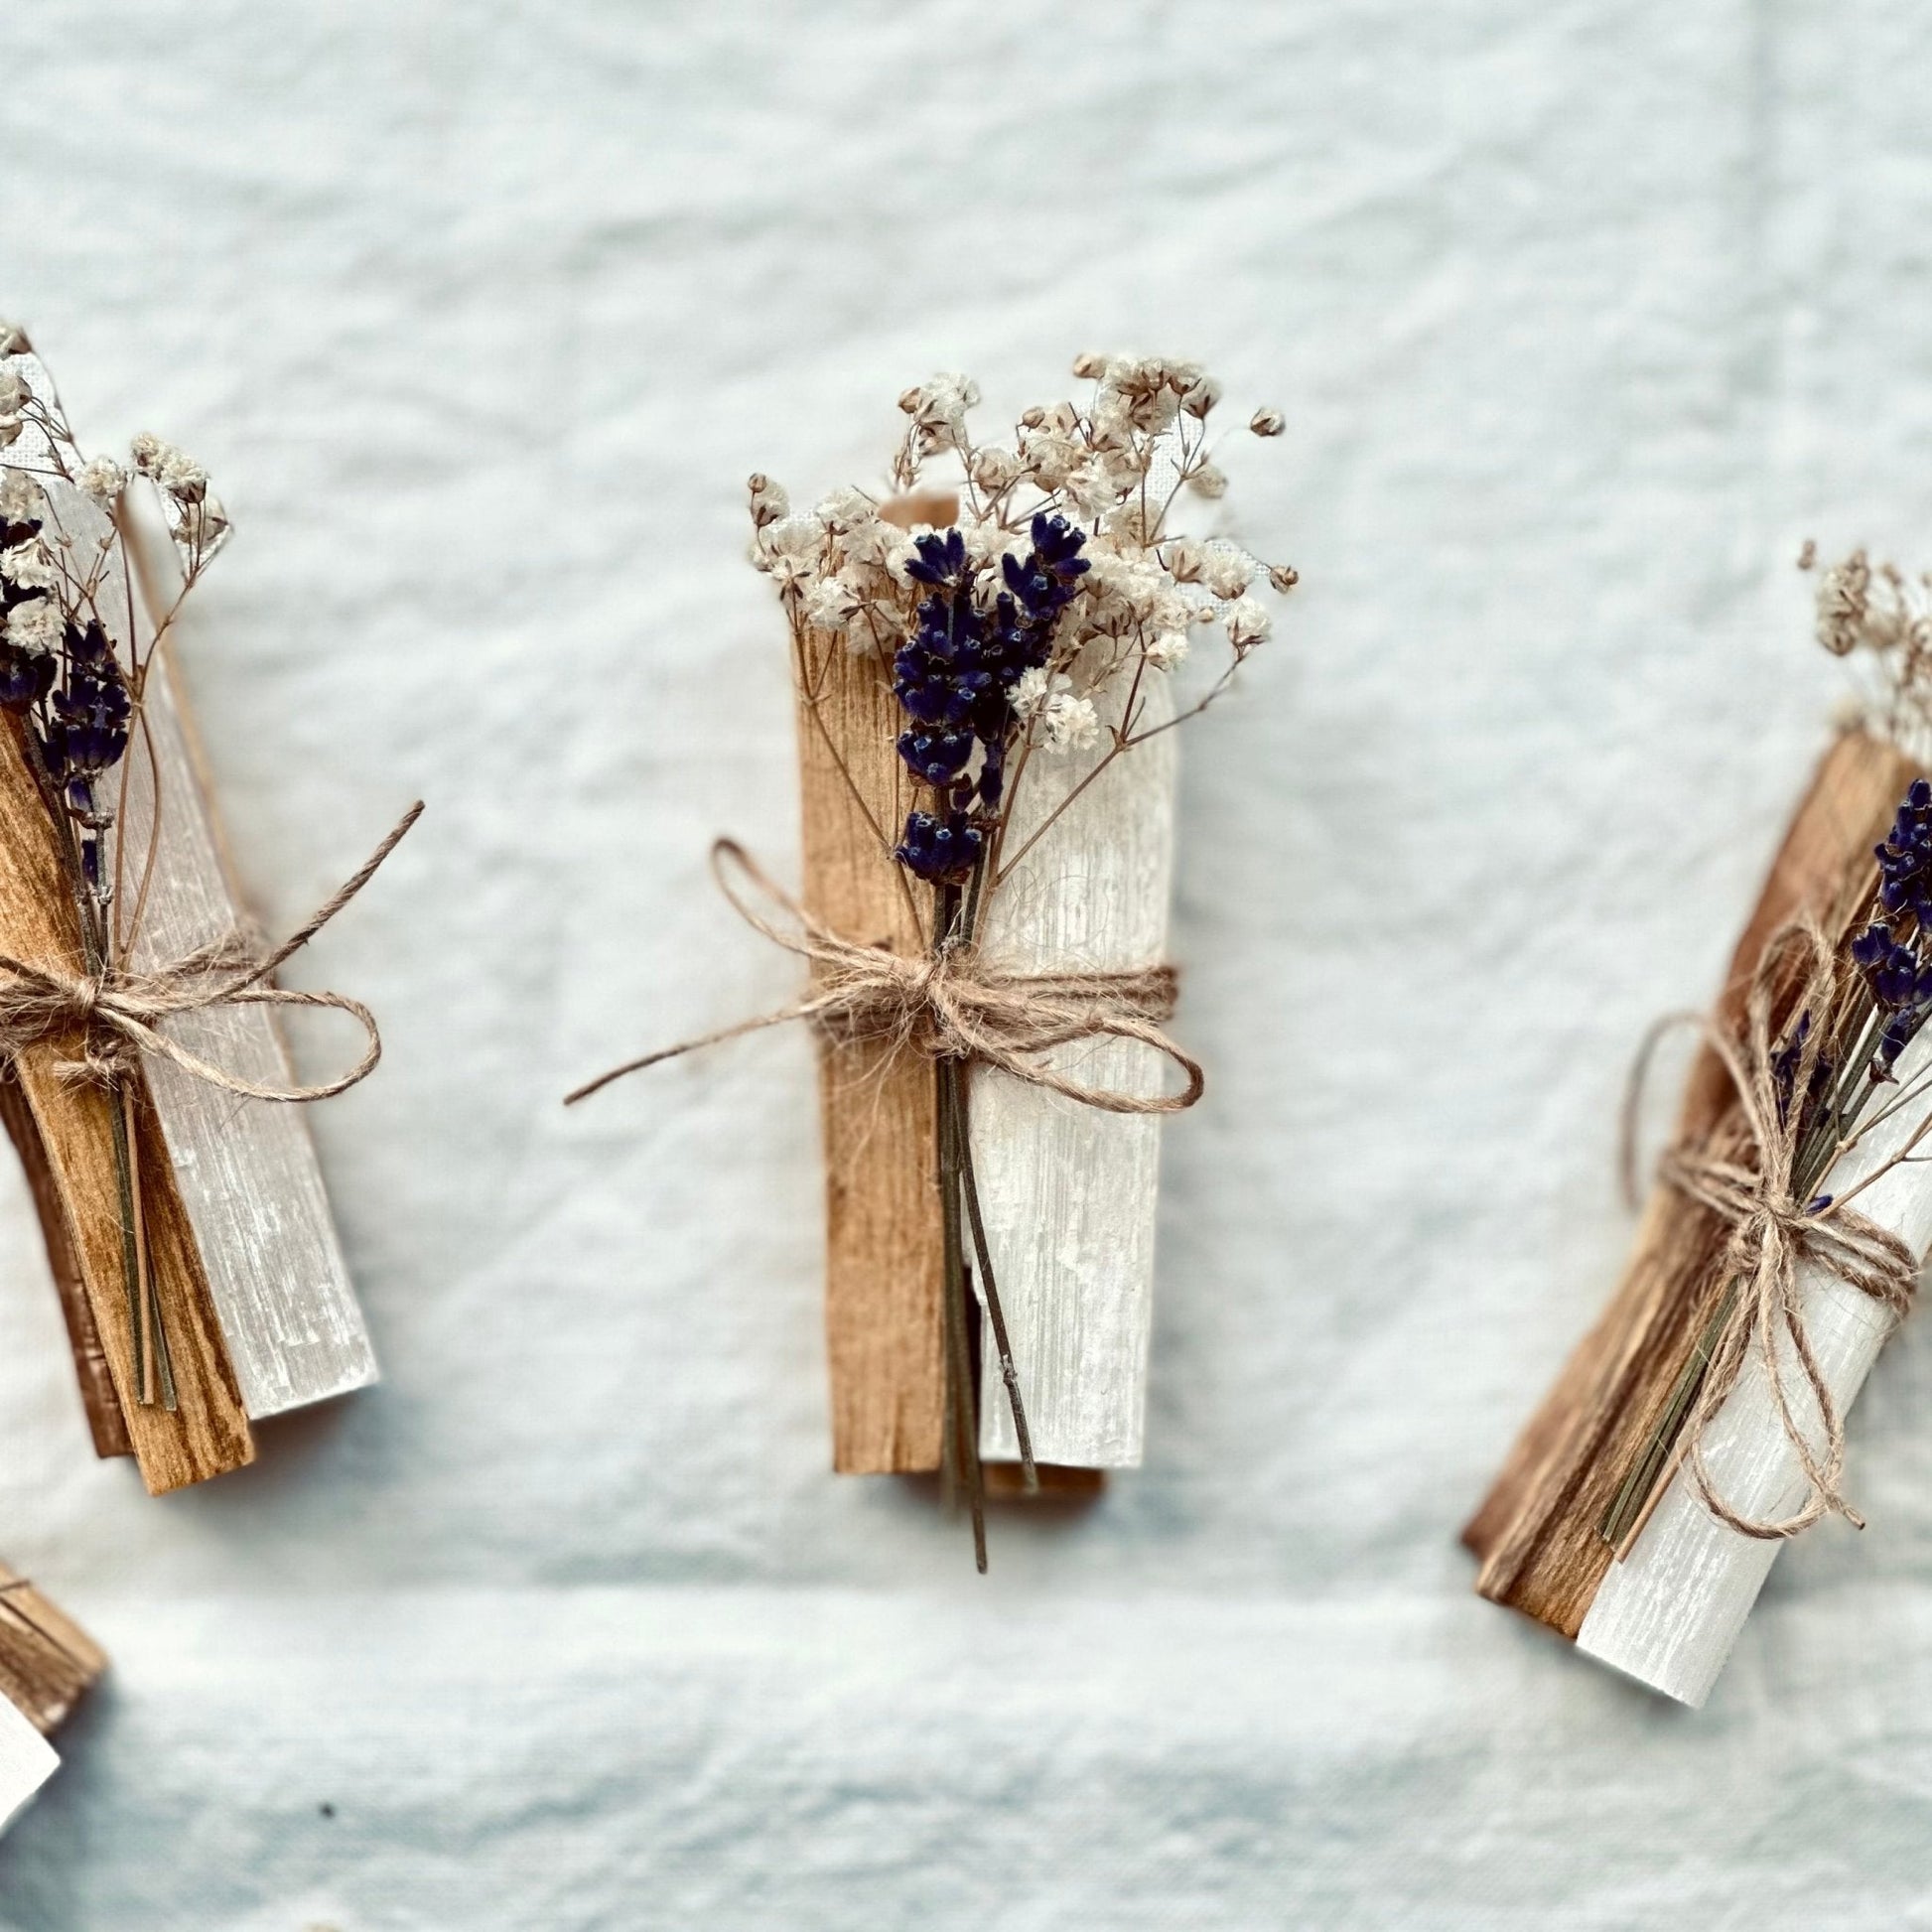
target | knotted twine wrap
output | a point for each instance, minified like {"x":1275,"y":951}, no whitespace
{"x":1772,"y":1231}
{"x":949,"y":1003}
{"x":119,"y":1014}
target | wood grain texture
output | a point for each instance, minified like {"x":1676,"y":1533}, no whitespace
{"x":208,"y":1432}
{"x":1056,"y":1486}
{"x":105,"y":1423}
{"x":1070,"y":1191}
{"x":48,"y":1663}
{"x":1537,"y":1532}
{"x":883,"y":1265}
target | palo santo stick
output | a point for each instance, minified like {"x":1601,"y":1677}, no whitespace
{"x":246,"y":1168}
{"x":207,"y":1432}
{"x":884,"y":1260}
{"x":1006,"y":1483}
{"x":48,"y":1663}
{"x":105,"y":1423}
{"x":1539,"y":1532}
{"x":1070,"y":1191}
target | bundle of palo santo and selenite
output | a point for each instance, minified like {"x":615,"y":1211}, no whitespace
{"x":987,"y":659}
{"x":1701,"y":1424}
{"x":143,"y":1076}
{"x":47,"y":1664}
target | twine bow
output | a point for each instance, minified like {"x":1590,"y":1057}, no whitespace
{"x":1772,"y":1231}
{"x":948,"y":1005}
{"x":119,"y":1014}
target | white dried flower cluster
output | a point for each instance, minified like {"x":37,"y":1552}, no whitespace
{"x":172,"y":470}
{"x":1248,"y":623}
{"x":72,"y":654}
{"x":1027,"y":591}
{"x":1845,"y":614}
{"x":839,"y":568}
{"x":1028,"y":691}
{"x":1067,"y":722}
{"x":938,"y":412}
{"x":102,"y":478}
{"x":35,"y":625}
{"x":195,"y":514}
{"x":196,"y":518}
{"x":28,"y":567}
{"x":1114,"y":468}
{"x":20,"y":498}
{"x":65,"y":586}
{"x":14,"y":397}
{"x":1876,"y":611}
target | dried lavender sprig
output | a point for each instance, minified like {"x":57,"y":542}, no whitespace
{"x":955,"y":677}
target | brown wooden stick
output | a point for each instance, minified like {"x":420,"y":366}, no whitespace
{"x":208,"y":1432}
{"x":884,"y":1260}
{"x":1538,"y":1530}
{"x":48,"y":1663}
{"x":1006,"y":1483}
{"x":105,"y":1421}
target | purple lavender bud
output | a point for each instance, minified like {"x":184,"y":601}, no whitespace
{"x":938,"y":758}
{"x":940,"y":850}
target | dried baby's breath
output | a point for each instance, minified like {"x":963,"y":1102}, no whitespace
{"x":1097,"y":481}
{"x":1880,"y":619}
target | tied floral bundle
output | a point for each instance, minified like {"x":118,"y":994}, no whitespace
{"x":1702,"y":1424}
{"x":989,"y":658}
{"x":187,"y":1227}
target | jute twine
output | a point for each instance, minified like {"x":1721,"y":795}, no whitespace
{"x":1771,"y":1232}
{"x":949,"y":1003}
{"x":118,"y":1013}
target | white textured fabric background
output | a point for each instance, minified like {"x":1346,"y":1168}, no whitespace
{"x":1583,"y":317}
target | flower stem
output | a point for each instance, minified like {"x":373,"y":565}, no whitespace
{"x":960,"y":1462}
{"x":964,"y":1477}
{"x":160,"y":1385}
{"x":1632,"y":1499}
{"x":142,"y":1369}
{"x":995,"y":1315}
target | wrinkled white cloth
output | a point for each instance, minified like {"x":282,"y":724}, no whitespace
{"x":1582,"y":316}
